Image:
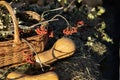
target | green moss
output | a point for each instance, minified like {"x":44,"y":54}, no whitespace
{"x":104,"y":35}
{"x":97,"y":47}
{"x":23,"y":68}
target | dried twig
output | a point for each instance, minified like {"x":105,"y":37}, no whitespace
{"x":35,"y":53}
{"x":33,"y":26}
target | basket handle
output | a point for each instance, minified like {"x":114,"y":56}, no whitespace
{"x":15,"y":22}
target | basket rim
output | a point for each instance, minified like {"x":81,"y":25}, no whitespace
{"x":14,"y":20}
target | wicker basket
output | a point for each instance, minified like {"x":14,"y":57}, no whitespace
{"x":17,"y":50}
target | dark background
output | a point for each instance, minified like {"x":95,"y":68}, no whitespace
{"x":111,"y":70}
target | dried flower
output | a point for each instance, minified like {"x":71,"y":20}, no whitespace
{"x":70,"y":30}
{"x":51,"y":34}
{"x":80,"y":22}
{"x":41,"y":30}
